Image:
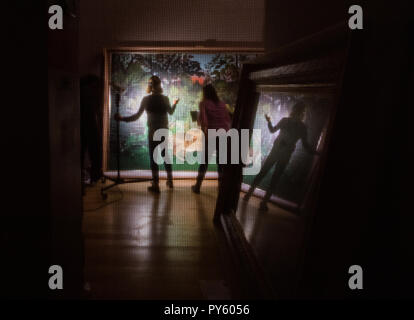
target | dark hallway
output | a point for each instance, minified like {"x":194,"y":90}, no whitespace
{"x":311,"y":204}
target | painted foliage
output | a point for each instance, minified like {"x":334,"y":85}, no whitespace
{"x":183,"y":75}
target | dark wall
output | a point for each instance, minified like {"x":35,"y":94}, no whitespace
{"x":360,"y":218}
{"x":40,"y":217}
{"x":25,"y":213}
{"x":288,"y":21}
{"x":106,"y":23}
{"x":64,"y":154}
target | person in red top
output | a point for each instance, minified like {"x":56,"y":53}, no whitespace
{"x":213,"y":115}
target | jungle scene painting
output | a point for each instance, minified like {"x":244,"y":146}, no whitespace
{"x":292,"y":185}
{"x":183,"y":76}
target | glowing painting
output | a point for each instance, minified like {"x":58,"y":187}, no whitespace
{"x":183,"y":76}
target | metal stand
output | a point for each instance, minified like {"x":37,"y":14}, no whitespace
{"x":118,"y":180}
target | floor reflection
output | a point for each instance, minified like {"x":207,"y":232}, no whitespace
{"x":148,"y":246}
{"x":276,"y":236}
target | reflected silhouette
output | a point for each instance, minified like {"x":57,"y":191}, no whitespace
{"x":214,"y":285}
{"x":160,"y":219}
{"x":291,"y":130}
{"x":159,"y":239}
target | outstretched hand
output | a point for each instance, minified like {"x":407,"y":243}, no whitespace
{"x":176,"y":101}
{"x":267,"y":117}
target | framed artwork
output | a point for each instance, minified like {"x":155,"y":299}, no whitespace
{"x":183,"y":72}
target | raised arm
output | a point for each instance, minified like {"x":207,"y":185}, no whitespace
{"x":170,"y":109}
{"x":270,"y":126}
{"x":135,"y":116}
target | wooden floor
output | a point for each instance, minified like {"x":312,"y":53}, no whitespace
{"x":144,"y":246}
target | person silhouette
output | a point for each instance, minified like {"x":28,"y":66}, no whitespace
{"x":291,"y":129}
{"x":157,"y":106}
{"x":213,"y":115}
